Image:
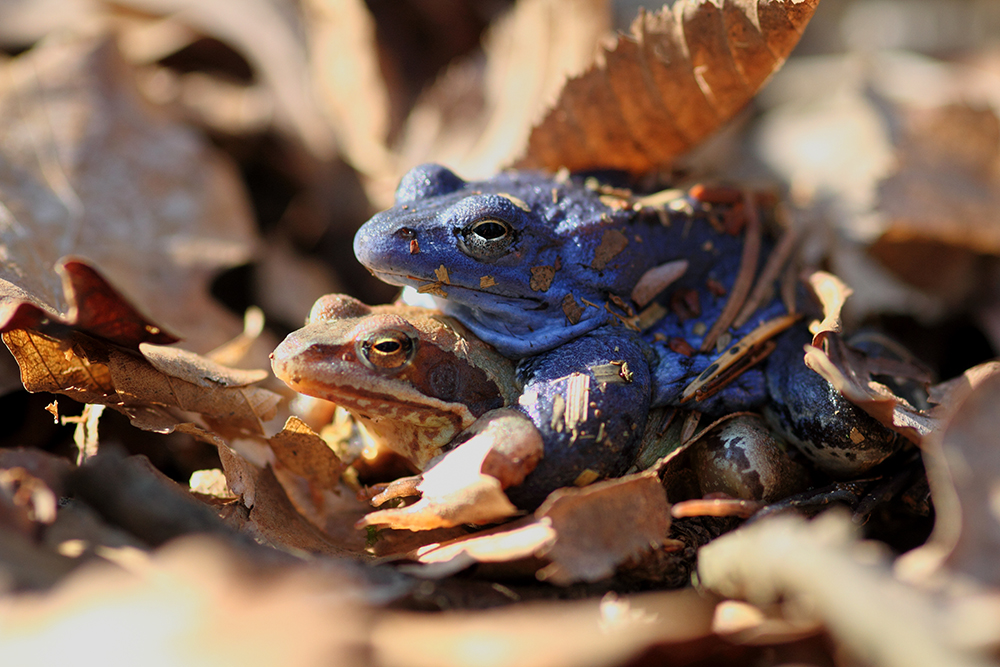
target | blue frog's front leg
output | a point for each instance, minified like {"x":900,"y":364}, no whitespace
{"x":590,"y":399}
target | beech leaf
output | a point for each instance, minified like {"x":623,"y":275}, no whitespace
{"x":92,"y":371}
{"x":667,"y":85}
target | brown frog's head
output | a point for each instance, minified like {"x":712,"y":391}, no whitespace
{"x":412,"y":376}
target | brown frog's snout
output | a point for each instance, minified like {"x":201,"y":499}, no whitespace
{"x":291,"y":348}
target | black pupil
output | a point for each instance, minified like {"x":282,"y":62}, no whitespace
{"x":388,"y":346}
{"x":490,"y":230}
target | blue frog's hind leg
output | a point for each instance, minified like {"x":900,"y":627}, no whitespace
{"x":840,"y":438}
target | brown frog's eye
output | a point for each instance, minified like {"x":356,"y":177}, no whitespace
{"x":387,"y":350}
{"x":487,"y":239}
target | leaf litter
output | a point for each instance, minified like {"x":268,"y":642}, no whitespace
{"x":281,"y":541}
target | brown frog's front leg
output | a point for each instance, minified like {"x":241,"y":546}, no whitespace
{"x":466,"y":484}
{"x":514,"y":450}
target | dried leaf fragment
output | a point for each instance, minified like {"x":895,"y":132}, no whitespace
{"x":657,"y":279}
{"x":541,"y":278}
{"x":832,"y":294}
{"x":456,"y":490}
{"x":851,"y":373}
{"x":579,"y":531}
{"x":613,"y":241}
{"x":591,"y":538}
{"x":303,"y":452}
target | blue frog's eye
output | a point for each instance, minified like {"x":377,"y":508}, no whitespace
{"x":487,"y":239}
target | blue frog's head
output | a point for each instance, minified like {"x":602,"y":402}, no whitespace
{"x":515,"y":257}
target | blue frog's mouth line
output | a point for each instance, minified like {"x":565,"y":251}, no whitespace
{"x":422,"y":284}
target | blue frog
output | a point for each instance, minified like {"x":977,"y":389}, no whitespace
{"x":608,"y":300}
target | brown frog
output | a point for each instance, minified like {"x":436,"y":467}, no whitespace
{"x":413,"y":378}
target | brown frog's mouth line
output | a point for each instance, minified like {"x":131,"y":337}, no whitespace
{"x":373,"y":398}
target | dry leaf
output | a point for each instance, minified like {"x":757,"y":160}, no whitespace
{"x":222,"y":396}
{"x":453,"y":492}
{"x":666,"y":86}
{"x":610,"y":631}
{"x":946,"y":187}
{"x":579,"y":532}
{"x":93,"y":307}
{"x":298,"y":449}
{"x":195,"y":603}
{"x":851,"y":373}
{"x":821,"y":572}
{"x":348,"y":80}
{"x":310,"y":473}
{"x":274,"y":519}
{"x":963,"y":467}
{"x":898,"y":153}
{"x":832,"y":294}
{"x":91,"y":170}
{"x":92,"y":371}
{"x":854,"y":374}
{"x":271,"y":37}
{"x":131,"y":493}
{"x":591,"y":539}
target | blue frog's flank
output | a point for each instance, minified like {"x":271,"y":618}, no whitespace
{"x":609,"y":301}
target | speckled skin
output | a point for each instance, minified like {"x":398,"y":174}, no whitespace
{"x":742,"y":458}
{"x":843,"y":440}
{"x":557,"y":241}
